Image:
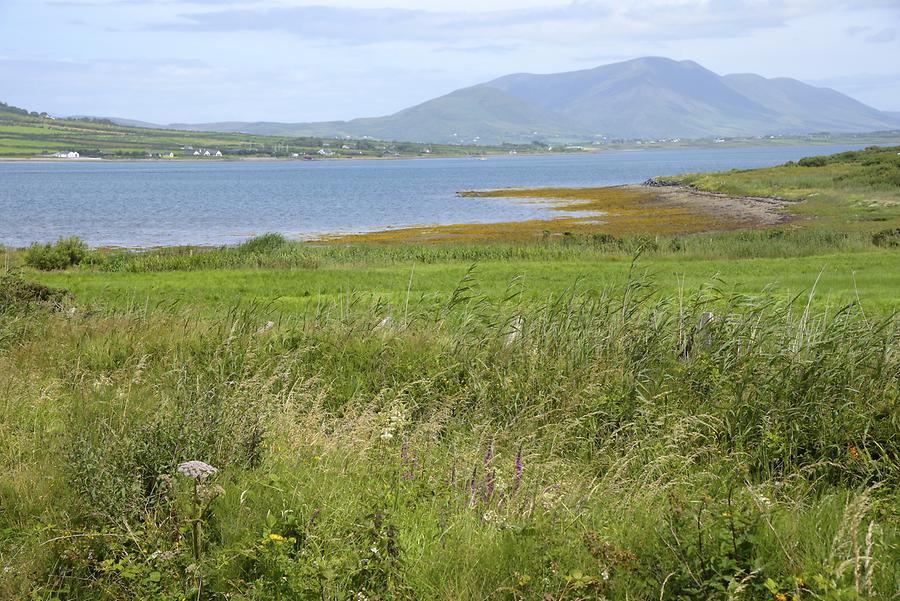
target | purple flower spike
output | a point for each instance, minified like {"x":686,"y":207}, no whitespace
{"x":489,"y":476}
{"x":520,"y":467}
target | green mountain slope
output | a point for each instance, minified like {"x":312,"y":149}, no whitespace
{"x":642,"y":98}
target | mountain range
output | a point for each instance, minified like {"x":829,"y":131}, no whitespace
{"x":648,"y":97}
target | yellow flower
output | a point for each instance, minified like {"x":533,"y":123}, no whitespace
{"x":276,"y":537}
{"x":781,"y":597}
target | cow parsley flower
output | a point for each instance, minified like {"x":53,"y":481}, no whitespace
{"x":196,"y":469}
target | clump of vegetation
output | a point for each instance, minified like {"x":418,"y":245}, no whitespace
{"x":18,"y":293}
{"x":62,"y":254}
{"x":888,"y":238}
{"x":267,"y":243}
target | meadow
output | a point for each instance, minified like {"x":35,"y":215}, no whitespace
{"x":579,"y":416}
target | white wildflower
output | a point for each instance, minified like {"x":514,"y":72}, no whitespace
{"x":196,"y":469}
{"x":395,"y":423}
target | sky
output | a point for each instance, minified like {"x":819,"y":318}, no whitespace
{"x":177,"y":61}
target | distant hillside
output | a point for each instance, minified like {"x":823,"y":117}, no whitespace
{"x":31,"y":134}
{"x":641,"y":98}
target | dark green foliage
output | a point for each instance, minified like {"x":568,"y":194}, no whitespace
{"x":888,"y":238}
{"x":817,"y":161}
{"x":64,"y":253}
{"x":267,"y":243}
{"x":18,"y":293}
{"x":875,"y":167}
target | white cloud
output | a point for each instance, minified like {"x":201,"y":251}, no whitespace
{"x":317,"y":60}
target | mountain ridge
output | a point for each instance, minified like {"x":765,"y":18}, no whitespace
{"x":649,"y":97}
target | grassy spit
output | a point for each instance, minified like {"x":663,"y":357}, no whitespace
{"x":850,"y":191}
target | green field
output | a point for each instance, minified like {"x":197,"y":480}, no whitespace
{"x":542,"y":419}
{"x":26,"y":134}
{"x":871,"y":275}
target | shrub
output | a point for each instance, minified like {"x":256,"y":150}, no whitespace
{"x":61,"y":254}
{"x":266,"y":243}
{"x":813,"y":162}
{"x":889,"y":238}
{"x":17,"y":292}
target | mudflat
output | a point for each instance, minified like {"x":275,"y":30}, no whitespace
{"x":617,"y":210}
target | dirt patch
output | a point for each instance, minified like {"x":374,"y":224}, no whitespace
{"x":754,"y":211}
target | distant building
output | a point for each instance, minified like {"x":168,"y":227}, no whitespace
{"x":66,"y":155}
{"x":218,"y":153}
{"x":196,"y":153}
{"x":206,"y":153}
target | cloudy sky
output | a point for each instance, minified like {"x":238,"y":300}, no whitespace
{"x":310,"y":60}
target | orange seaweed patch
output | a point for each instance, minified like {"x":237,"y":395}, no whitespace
{"x":622,"y":210}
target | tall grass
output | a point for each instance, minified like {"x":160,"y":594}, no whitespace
{"x":588,"y":446}
{"x":274,"y":252}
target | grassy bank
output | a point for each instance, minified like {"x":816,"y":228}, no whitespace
{"x":848,"y":191}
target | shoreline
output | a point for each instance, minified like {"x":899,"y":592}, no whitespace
{"x":587,"y":150}
{"x":287,"y":159}
{"x":624,"y":210}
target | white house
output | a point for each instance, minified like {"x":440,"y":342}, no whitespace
{"x":66,"y":155}
{"x":206,"y":153}
{"x":218,"y":153}
{"x":196,"y":153}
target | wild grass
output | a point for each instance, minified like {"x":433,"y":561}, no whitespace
{"x":272,"y":251}
{"x":460,"y":446}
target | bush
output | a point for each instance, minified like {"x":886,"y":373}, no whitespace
{"x":16,"y":292}
{"x":264,"y":244}
{"x":888,"y":238}
{"x":813,"y":162}
{"x":61,"y":254}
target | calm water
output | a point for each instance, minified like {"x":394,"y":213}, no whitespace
{"x":146,"y":204}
